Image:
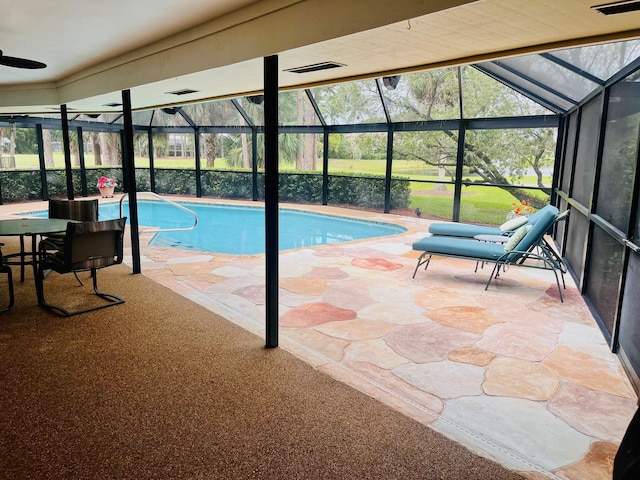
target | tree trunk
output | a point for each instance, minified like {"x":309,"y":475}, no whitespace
{"x":116,"y":153}
{"x":48,"y":148}
{"x":210,"y":149}
{"x":246,"y":159}
{"x":311,"y":151}
{"x":96,"y":150}
{"x":75,"y":153}
{"x":311,"y":146}
{"x":300,"y":163}
{"x":104,"y":149}
{"x":12,"y":147}
{"x":110,"y":149}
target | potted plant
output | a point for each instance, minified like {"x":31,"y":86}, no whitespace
{"x":522,"y":208}
{"x":106,"y":186}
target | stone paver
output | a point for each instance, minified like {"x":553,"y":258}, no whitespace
{"x":523,"y":427}
{"x":511,"y":377}
{"x":312,"y":314}
{"x":428,"y":342}
{"x":468,"y":319}
{"x":375,"y":352}
{"x":355,"y":330}
{"x":435,"y":378}
{"x":607,"y":417}
{"x":596,"y":373}
{"x":516,"y":342}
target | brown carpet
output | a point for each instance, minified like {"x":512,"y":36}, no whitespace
{"x":161,"y":388}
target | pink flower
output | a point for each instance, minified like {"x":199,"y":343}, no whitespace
{"x":107,"y":182}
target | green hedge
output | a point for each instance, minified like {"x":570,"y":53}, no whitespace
{"x":363,"y":191}
{"x":228,"y":184}
{"x":19,"y":186}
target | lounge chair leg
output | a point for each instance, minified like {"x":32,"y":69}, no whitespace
{"x":558,"y":284}
{"x":421,"y":262}
{"x":494,"y":273}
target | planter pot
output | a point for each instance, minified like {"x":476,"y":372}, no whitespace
{"x":512,"y":215}
{"x":106,"y":192}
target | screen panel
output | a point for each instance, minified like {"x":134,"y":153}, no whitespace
{"x":629,"y":333}
{"x":576,"y":238}
{"x":586,"y":153}
{"x":620,"y":154}
{"x":603,"y":281}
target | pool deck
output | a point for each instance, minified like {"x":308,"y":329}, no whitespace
{"x":511,"y":372}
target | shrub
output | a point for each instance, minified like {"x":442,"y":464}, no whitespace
{"x":363,"y":191}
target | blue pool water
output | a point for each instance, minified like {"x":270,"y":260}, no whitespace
{"x":240,"y":230}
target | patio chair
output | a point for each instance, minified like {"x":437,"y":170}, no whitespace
{"x":4,"y":268}
{"x":519,"y":251}
{"x":87,"y":246}
{"x":79,"y":210}
{"x":470,"y":230}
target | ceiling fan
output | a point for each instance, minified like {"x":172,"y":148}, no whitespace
{"x":20,"y":62}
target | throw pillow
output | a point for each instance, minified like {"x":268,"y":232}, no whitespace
{"x":514,"y":223}
{"x":514,"y":239}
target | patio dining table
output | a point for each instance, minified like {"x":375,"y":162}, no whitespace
{"x":31,"y":227}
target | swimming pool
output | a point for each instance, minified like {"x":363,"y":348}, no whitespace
{"x":224,"y":228}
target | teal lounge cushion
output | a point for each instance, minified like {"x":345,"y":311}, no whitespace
{"x":470,"y":230}
{"x":537,"y":230}
{"x":460,"y":247}
{"x":453,"y":229}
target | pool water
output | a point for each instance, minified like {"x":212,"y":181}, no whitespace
{"x":240,"y":230}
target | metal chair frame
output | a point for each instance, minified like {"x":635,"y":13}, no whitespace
{"x":88,"y":246}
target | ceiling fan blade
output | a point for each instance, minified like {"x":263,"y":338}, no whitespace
{"x":20,"y":62}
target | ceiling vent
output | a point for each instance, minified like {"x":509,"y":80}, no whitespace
{"x":112,"y":104}
{"x":614,"y":8}
{"x":315,"y":67}
{"x":185,"y":91}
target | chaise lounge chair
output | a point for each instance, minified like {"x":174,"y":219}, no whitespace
{"x":519,"y":250}
{"x":470,"y":230}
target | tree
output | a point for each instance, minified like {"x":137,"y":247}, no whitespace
{"x":47,"y":141}
{"x":110,"y":151}
{"x":12,"y":146}
{"x":307,"y":146}
{"x":217,"y":113}
{"x":160,"y":144}
{"x":490,"y":156}
{"x":26,"y":141}
{"x":238,"y":146}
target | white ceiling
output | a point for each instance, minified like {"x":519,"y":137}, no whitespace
{"x":94,"y":49}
